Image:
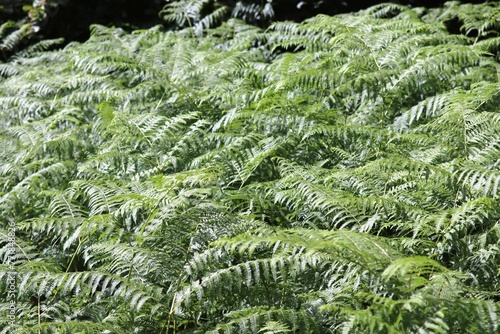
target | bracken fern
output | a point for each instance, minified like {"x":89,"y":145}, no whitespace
{"x":334,"y":176}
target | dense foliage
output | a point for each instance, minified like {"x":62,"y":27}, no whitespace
{"x":339,"y":175}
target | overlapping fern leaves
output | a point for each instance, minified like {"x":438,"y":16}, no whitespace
{"x":339,"y":175}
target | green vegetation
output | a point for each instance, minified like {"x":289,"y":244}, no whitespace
{"x":335,"y":176}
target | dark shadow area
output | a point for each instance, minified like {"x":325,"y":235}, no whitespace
{"x":72,"y":20}
{"x":299,"y":10}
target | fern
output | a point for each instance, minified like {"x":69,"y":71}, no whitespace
{"x":337,"y":175}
